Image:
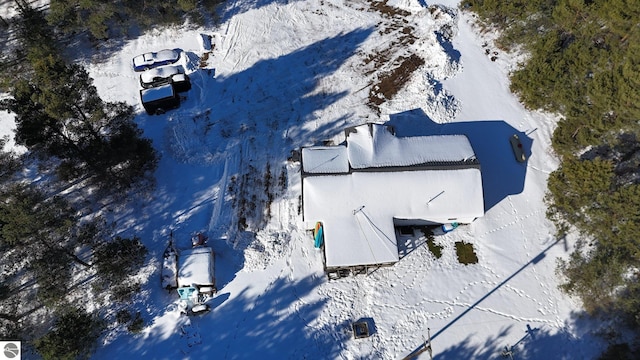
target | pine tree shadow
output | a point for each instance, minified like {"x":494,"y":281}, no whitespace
{"x":538,"y":341}
{"x":247,"y":115}
{"x":529,"y":342}
{"x":224,"y":126}
{"x":272,"y":324}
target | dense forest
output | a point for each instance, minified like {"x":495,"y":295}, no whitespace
{"x":109,"y":19}
{"x":86,"y":155}
{"x":584,"y":64}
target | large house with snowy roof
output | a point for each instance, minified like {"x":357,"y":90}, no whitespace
{"x":362,"y":190}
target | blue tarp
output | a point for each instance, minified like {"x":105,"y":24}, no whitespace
{"x":186,"y":292}
{"x":449,"y":227}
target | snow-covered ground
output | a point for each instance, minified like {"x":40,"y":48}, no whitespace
{"x":282,"y":75}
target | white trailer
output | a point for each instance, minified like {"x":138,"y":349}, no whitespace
{"x":196,"y":268}
{"x":196,"y":279}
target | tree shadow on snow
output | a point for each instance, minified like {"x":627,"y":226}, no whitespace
{"x":502,"y":175}
{"x":253,"y":117}
{"x":229,"y":9}
{"x":538,"y":340}
{"x":273,"y":324}
{"x":529,"y":341}
{"x":257,"y":115}
{"x":270,"y":102}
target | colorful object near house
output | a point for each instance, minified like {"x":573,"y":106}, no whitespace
{"x":186,"y":293}
{"x":449,"y":227}
{"x":198,"y":240}
{"x":318,"y":235}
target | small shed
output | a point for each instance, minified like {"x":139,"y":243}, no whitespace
{"x":159,"y":99}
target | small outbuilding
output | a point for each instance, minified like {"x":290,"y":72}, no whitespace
{"x":362,"y":190}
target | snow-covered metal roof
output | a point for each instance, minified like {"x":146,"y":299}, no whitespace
{"x":374,"y":146}
{"x":325,"y":160}
{"x":157,"y":93}
{"x":357,"y":210}
{"x":358,"y":190}
{"x":196,"y":267}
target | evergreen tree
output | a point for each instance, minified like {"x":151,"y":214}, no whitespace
{"x":41,"y":238}
{"x":35,"y":225}
{"x":117,"y":259}
{"x":583,"y":63}
{"x":105,"y":20}
{"x":59,"y":113}
{"x":9,"y":162}
{"x":73,"y":336}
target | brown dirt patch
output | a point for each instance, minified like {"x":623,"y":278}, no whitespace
{"x":391,"y":82}
{"x":393,"y":57}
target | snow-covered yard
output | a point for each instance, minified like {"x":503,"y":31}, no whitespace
{"x":282,"y":75}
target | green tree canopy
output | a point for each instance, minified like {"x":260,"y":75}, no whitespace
{"x":584,"y":64}
{"x":73,"y":336}
{"x":60,"y":114}
{"x":113,"y":18}
{"x":119,"y":258}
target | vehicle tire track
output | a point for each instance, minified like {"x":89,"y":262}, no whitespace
{"x":231,"y":36}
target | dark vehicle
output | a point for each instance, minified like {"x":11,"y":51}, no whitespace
{"x":159,"y":99}
{"x":518,"y":150}
{"x":181,"y":82}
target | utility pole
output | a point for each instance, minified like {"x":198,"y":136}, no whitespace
{"x":508,"y":352}
{"x":426,"y":346}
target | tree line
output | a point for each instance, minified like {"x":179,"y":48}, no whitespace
{"x":583,"y":63}
{"x":59,"y":114}
{"x":55,"y":254}
{"x":109,"y":19}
